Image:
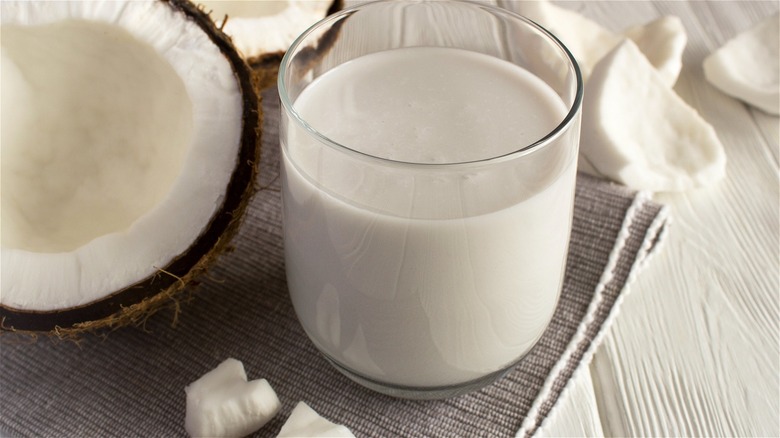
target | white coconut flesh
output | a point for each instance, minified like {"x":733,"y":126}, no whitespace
{"x":259,"y":27}
{"x":121,"y":125}
{"x":306,"y":422}
{"x":224,"y":403}
{"x":748,"y":66}
{"x":639,"y":132}
{"x":662,"y":41}
{"x":82,"y":158}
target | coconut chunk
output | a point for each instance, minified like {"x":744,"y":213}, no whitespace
{"x":222,"y":403}
{"x":305,"y":422}
{"x":586,"y":40}
{"x":262,"y":31}
{"x":86,"y":167}
{"x":637,"y":131}
{"x":662,"y":41}
{"x":748,"y":66}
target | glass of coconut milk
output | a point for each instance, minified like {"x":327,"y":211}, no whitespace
{"x":429,"y":155}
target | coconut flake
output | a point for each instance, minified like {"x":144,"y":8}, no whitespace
{"x":637,"y":131}
{"x":662,"y":41}
{"x":586,"y":40}
{"x":222,"y":403}
{"x":748,"y":66}
{"x":305,"y":422}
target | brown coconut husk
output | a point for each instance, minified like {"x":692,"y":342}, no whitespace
{"x":134,"y":304}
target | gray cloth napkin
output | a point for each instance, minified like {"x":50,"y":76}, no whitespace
{"x":131,"y":382}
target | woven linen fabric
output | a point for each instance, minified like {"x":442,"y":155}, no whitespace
{"x":131,"y":382}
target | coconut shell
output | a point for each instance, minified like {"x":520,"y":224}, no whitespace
{"x":137,"y":302}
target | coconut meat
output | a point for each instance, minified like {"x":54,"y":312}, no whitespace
{"x":662,"y":40}
{"x":120,"y":130}
{"x":245,"y":8}
{"x":639,"y":132}
{"x":748,"y":66}
{"x":306,"y":422}
{"x":268,"y":26}
{"x":91,"y":151}
{"x":224,"y":403}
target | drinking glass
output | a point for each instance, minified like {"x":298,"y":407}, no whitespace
{"x":417,"y":268}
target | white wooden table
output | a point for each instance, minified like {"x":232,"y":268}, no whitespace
{"x":695,"y":350}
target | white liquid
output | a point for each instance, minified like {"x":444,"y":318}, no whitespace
{"x":436,"y":277}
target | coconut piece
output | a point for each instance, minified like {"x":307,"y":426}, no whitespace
{"x":264,"y":30}
{"x":222,"y":403}
{"x":637,"y":131}
{"x":129,"y":150}
{"x":305,"y":422}
{"x":662,"y":41}
{"x":586,"y":40}
{"x":261,"y":28}
{"x":748,"y":66}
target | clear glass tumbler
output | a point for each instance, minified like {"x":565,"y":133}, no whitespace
{"x":429,"y":154}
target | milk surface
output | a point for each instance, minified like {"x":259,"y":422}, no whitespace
{"x":422,"y":274}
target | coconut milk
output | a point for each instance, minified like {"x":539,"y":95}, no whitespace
{"x":425,"y":275}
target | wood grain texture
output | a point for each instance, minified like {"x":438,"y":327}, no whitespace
{"x":695,"y":350}
{"x":576,"y":413}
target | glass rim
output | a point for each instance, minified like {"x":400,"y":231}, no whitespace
{"x":550,"y":137}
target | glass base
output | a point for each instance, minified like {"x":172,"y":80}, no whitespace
{"x":421,"y":393}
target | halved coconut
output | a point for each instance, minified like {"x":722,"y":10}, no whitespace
{"x":130,"y":136}
{"x":263,"y":30}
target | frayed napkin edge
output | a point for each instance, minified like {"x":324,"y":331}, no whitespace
{"x":654,"y":237}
